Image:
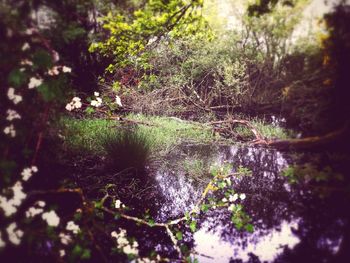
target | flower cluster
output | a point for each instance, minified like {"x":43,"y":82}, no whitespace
{"x":65,"y":238}
{"x":37,"y":209}
{"x":14,"y":234}
{"x":124,"y":244}
{"x":25,"y":46}
{"x":51,"y":218}
{"x":74,"y":104}
{"x":233,"y":198}
{"x":34,"y":82}
{"x":66,"y":69}
{"x":54,"y":71}
{"x":28,"y":172}
{"x":9,"y":206}
{"x":13,"y":97}
{"x":12,"y":115}
{"x":118,"y":204}
{"x":97,"y":102}
{"x":10,"y":130}
{"x":71,"y":226}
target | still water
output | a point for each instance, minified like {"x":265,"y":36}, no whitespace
{"x":291,"y":222}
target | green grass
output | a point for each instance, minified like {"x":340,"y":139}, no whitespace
{"x":163,"y":133}
{"x":267,"y":130}
{"x":89,"y":135}
{"x":168,"y":132}
{"x":85,"y":135}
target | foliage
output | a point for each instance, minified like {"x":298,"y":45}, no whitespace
{"x":309,"y":172}
{"x":130,"y":36}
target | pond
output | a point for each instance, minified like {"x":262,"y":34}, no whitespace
{"x":291,"y":222}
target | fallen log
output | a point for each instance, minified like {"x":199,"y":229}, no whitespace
{"x":285,"y":144}
{"x":308,"y":142}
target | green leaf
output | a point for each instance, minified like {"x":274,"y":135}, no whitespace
{"x":187,"y":216}
{"x":51,"y":90}
{"x":16,"y":78}
{"x":204,"y":208}
{"x":193,"y":226}
{"x":86,"y":254}
{"x":77,"y":250}
{"x":89,"y":110}
{"x":151,"y":222}
{"x":42,"y":59}
{"x":249,"y":228}
{"x":179,"y":235}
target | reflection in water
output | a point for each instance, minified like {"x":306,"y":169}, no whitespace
{"x":291,"y":224}
{"x":265,"y":247}
{"x":179,"y":194}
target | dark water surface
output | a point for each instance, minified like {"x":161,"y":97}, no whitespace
{"x":292,"y":223}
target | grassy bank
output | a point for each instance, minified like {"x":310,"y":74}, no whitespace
{"x":162,"y":133}
{"x":267,"y":130}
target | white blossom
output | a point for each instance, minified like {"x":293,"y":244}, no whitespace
{"x":13,"y":97}
{"x":33,"y":211}
{"x":66,"y":69}
{"x":224,"y":199}
{"x":29,"y":31}
{"x":69,"y":107}
{"x":118,"y":204}
{"x":26,"y":62}
{"x":40,"y":203}
{"x":233,"y":197}
{"x":71,"y":226}
{"x":242,"y":196}
{"x":51,"y":218}
{"x":231,"y":207}
{"x":12,"y":115}
{"x":14,"y":234}
{"x":118,"y":101}
{"x":34,"y":169}
{"x":53,"y":71}
{"x":28,"y":172}
{"x":18,"y":194}
{"x":114,"y":234}
{"x":96,"y":94}
{"x":65,"y":238}
{"x":9,"y":206}
{"x":34,"y":82}
{"x":62,"y":253}
{"x":121,"y":238}
{"x":96,"y":103}
{"x":130,"y":250}
{"x":74,"y":104}
{"x":25,"y":46}
{"x":10,"y":130}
